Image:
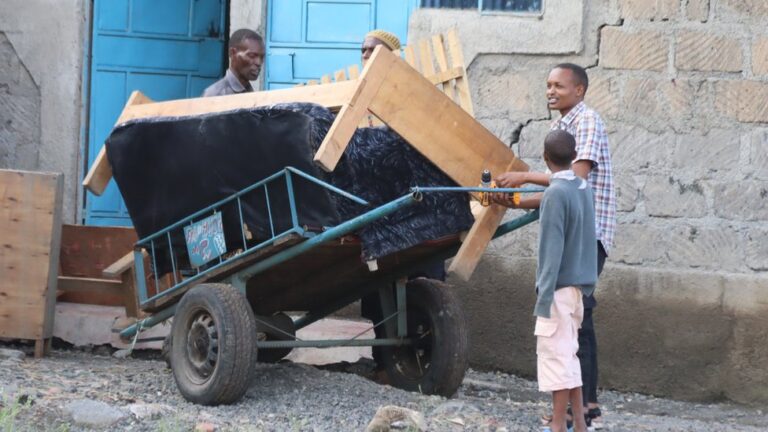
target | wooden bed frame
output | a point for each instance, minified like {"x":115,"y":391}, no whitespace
{"x":433,"y":113}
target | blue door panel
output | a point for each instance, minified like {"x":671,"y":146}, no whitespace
{"x":392,"y":15}
{"x":121,"y":51}
{"x":112,"y":15}
{"x":205,"y":18}
{"x":158,"y":86}
{"x":168,"y":49}
{"x":307,"y":39}
{"x":338,"y":22}
{"x":281,"y":12}
{"x":166,"y":17}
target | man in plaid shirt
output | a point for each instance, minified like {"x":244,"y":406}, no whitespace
{"x":566,"y":86}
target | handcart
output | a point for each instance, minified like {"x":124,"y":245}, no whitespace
{"x":235,"y":304}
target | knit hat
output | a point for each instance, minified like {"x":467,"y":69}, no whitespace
{"x":389,"y":39}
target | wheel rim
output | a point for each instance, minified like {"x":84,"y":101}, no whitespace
{"x":202,"y":347}
{"x":413,"y":361}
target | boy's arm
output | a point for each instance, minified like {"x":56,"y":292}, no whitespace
{"x":551,"y":246}
{"x":516,"y":178}
{"x":529,"y":202}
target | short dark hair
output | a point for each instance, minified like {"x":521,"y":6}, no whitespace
{"x":560,"y":147}
{"x":243,"y":34}
{"x":579,"y":73}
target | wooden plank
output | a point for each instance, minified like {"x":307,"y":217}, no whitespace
{"x":425,"y":56}
{"x":30,"y":232}
{"x":332,"y":96}
{"x":354,"y":72}
{"x":445,"y":77}
{"x":117,"y":268}
{"x":457,"y":60}
{"x":340,"y":75}
{"x":87,"y":250}
{"x":441,"y":60}
{"x":350,"y":116}
{"x":451,"y":139}
{"x":90,"y":285}
{"x":98,"y":176}
{"x":476,"y":241}
{"x":438,"y":128}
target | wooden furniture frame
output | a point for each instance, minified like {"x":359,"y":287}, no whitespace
{"x":400,"y":96}
{"x":30,"y":233}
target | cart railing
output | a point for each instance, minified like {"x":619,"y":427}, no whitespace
{"x":203,"y":233}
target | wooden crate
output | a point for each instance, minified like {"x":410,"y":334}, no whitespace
{"x":30,"y":234}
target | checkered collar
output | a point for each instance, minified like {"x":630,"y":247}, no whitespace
{"x":572,"y":114}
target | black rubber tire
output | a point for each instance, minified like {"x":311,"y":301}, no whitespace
{"x":214,"y":345}
{"x":284,"y":323}
{"x":437,"y":360}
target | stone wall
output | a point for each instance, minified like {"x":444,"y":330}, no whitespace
{"x":683,"y":88}
{"x":41,"y":57}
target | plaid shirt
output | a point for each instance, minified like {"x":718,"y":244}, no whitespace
{"x":592,"y":145}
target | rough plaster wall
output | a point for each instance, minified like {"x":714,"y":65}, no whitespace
{"x":681,"y":85}
{"x":47,"y":38}
{"x":19,"y":111}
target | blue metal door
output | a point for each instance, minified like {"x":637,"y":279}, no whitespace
{"x":310,"y":38}
{"x":169,"y":49}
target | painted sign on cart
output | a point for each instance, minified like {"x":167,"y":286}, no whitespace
{"x":205,"y":240}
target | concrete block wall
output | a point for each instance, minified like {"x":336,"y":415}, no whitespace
{"x":683,"y":88}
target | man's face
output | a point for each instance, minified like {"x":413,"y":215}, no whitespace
{"x":563,"y":93}
{"x":368,"y":45}
{"x":246,"y":59}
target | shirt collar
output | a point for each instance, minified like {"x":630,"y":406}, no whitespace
{"x":233,"y":82}
{"x":572,"y":114}
{"x":568,"y":175}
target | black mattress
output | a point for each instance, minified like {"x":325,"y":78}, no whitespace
{"x":169,"y":168}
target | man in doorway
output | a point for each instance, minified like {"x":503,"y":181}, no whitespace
{"x":375,"y":38}
{"x":567,"y":84}
{"x":246,"y":57}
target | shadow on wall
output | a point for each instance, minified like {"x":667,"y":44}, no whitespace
{"x":687,"y":335}
{"x":19,"y":111}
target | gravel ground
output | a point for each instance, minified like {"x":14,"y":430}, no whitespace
{"x":73,"y":390}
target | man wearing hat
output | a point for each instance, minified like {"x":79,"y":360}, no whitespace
{"x":375,"y":38}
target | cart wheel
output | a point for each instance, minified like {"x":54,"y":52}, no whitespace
{"x":284,"y":323}
{"x":214,"y":345}
{"x":436,"y":361}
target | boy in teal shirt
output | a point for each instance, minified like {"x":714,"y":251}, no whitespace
{"x":567,"y":269}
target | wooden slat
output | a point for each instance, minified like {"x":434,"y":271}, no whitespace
{"x":30,"y":236}
{"x":332,"y":96}
{"x":446,"y":77}
{"x":340,"y":75}
{"x":439,"y":129}
{"x":90,"y":285}
{"x":425,"y":56}
{"x":325,"y":79}
{"x":410,"y":57}
{"x":374,"y":73}
{"x":354,"y":72}
{"x":457,"y":60}
{"x":98,"y":176}
{"x":87,"y":250}
{"x":442,"y":62}
{"x":125,"y":263}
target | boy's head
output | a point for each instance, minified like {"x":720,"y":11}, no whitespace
{"x":567,"y":84}
{"x":559,"y":150}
